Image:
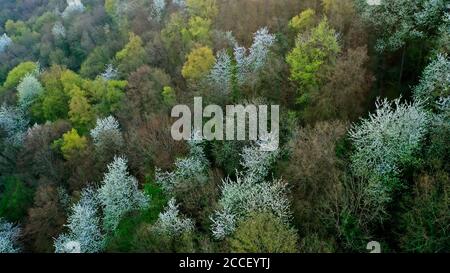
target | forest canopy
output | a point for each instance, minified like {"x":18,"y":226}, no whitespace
{"x":88,"y":163}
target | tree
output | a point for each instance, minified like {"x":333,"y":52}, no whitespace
{"x":171,"y":223}
{"x":81,"y":113}
{"x":345,"y":92}
{"x":435,"y":81}
{"x":132,"y":55}
{"x":386,"y":142}
{"x":15,"y":199}
{"x":312,"y":52}
{"x":303,"y":21}
{"x":45,"y":219}
{"x":202,"y":8}
{"x":157,"y":10}
{"x":400,"y":22}
{"x":72,"y":144}
{"x":84,"y":226}
{"x":198,"y":64}
{"x":244,"y":196}
{"x":5,"y":41}
{"x":28,"y":90}
{"x":315,"y":174}
{"x":13,"y":123}
{"x":194,"y":165}
{"x":119,"y":194}
{"x":263,"y":233}
{"x":107,"y":133}
{"x":9,"y":234}
{"x":73,"y":7}
{"x":16,"y":75}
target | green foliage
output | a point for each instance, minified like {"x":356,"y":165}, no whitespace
{"x":198,"y":64}
{"x":71,"y":144}
{"x":15,"y":199}
{"x":18,"y":72}
{"x":263,"y":233}
{"x":312,"y":52}
{"x":303,"y":21}
{"x":132,"y":55}
{"x":169,"y":95}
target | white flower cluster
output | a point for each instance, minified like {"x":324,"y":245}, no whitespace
{"x":14,"y":123}
{"x":84,"y":227}
{"x":110,"y":73}
{"x":5,"y":41}
{"x":73,"y":6}
{"x":384,"y":142}
{"x":157,"y":9}
{"x":244,"y":196}
{"x":107,"y":133}
{"x":171,"y":223}
{"x":58,"y":30}
{"x":119,"y":193}
{"x":195,"y":165}
{"x":247,"y":63}
{"x":28,"y":90}
{"x":435,"y":81}
{"x":9,"y":234}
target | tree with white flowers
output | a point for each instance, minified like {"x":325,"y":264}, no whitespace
{"x":242,"y":197}
{"x":84,"y":226}
{"x":5,"y":41}
{"x":119,"y":194}
{"x":194,"y":165}
{"x":110,"y":72}
{"x":246,"y":63}
{"x":28,"y":90}
{"x":435,"y":81}
{"x":157,"y":9}
{"x":13,"y":123}
{"x":171,"y":222}
{"x":9,"y":234}
{"x":107,"y":133}
{"x":73,"y":6}
{"x":58,"y":30}
{"x":384,"y":143}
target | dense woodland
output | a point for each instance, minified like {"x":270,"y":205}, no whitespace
{"x":86,"y":155}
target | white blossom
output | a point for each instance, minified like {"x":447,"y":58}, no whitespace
{"x":28,"y":90}
{"x":194,"y":165}
{"x":258,"y":158}
{"x":435,"y":81}
{"x":385,"y":142}
{"x":244,"y":196}
{"x":84,"y":227}
{"x":9,"y":234}
{"x":107,"y":133}
{"x":5,"y":41}
{"x":110,"y":72}
{"x":180,"y":3}
{"x":119,"y":193}
{"x":13,"y":123}
{"x":221,"y":72}
{"x":58,"y":30}
{"x":73,"y":6}
{"x":157,"y":9}
{"x":171,"y":223}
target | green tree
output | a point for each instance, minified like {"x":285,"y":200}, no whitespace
{"x":15,"y":199}
{"x":80,"y":111}
{"x":72,"y":144}
{"x":263,"y":233}
{"x":303,"y":21}
{"x":199,"y":63}
{"x":17,"y":73}
{"x":312,"y":52}
{"x":132,"y":55}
